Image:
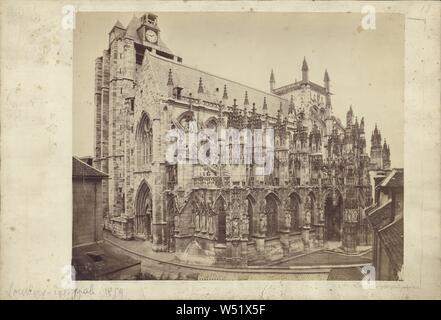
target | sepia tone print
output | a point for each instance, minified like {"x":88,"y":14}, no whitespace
{"x":329,"y":207}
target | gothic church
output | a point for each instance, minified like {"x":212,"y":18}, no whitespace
{"x":225,"y":214}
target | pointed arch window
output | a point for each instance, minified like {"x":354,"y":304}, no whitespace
{"x":144,"y":141}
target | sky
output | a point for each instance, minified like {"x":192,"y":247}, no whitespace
{"x":366,"y":67}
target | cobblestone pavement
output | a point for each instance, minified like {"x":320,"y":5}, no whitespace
{"x":159,"y":265}
{"x":326,"y":258}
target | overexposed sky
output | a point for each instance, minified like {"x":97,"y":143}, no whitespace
{"x":366,"y":67}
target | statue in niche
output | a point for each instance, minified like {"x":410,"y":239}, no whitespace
{"x":197,"y":221}
{"x":235,"y":226}
{"x":321,"y":215}
{"x":236,"y":208}
{"x":262,"y":223}
{"x":176,"y":222}
{"x":228,"y":226}
{"x":210,"y":223}
{"x":203,"y":222}
{"x":245,"y":225}
{"x":288,"y":220}
{"x":307,"y":218}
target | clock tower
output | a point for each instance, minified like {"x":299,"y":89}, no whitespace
{"x":148,"y":32}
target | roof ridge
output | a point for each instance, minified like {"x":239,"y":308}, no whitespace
{"x":389,"y":201}
{"x":388,"y":178}
{"x":89,"y":166}
{"x":298,"y":83}
{"x":219,"y":77}
{"x":391,"y":224}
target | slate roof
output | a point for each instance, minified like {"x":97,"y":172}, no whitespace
{"x":188,"y":78}
{"x":297,"y":85}
{"x":380,"y":216}
{"x":394,"y":180}
{"x":392,"y":239}
{"x":81,"y":169}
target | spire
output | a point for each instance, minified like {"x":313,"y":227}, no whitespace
{"x":305,"y":65}
{"x":349,"y":117}
{"x":118,"y":24}
{"x":190,"y":101}
{"x":245,"y":101}
{"x":326,"y":81}
{"x":279,"y":115}
{"x":272,"y":80}
{"x":254,"y":108}
{"x":326,"y":78}
{"x":265,"y":107}
{"x":292,"y":109}
{"x":225,"y":95}
{"x":201,"y":86}
{"x":170,"y":78}
{"x":362,"y":124}
{"x":305,"y":70}
{"x":170,"y":84}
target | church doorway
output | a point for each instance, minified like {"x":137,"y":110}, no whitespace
{"x":333,"y":217}
{"x":143,"y":212}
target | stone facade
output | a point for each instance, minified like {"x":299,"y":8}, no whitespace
{"x":225,"y":214}
{"x":87,"y":217}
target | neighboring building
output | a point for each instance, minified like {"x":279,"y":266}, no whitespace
{"x":224,"y":214}
{"x":386,"y":218}
{"x":87,"y":203}
{"x":91,"y":258}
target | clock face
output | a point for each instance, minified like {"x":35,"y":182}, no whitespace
{"x":151,"y":36}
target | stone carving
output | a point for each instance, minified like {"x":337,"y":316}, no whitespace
{"x":262,"y":223}
{"x":321,"y":215}
{"x":197,"y":221}
{"x":228,"y":227}
{"x":176,"y":222}
{"x":288,"y":220}
{"x":210,"y":224}
{"x":203,"y":222}
{"x":235,"y":226}
{"x":245,"y":225}
{"x":352,"y":215}
{"x":308,"y":218}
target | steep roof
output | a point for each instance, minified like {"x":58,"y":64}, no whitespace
{"x":380,"y":215}
{"x":394,"y":180}
{"x":81,"y":169}
{"x":297,"y":85}
{"x":188,"y":78}
{"x":392,"y":238}
{"x":118,"y":24}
